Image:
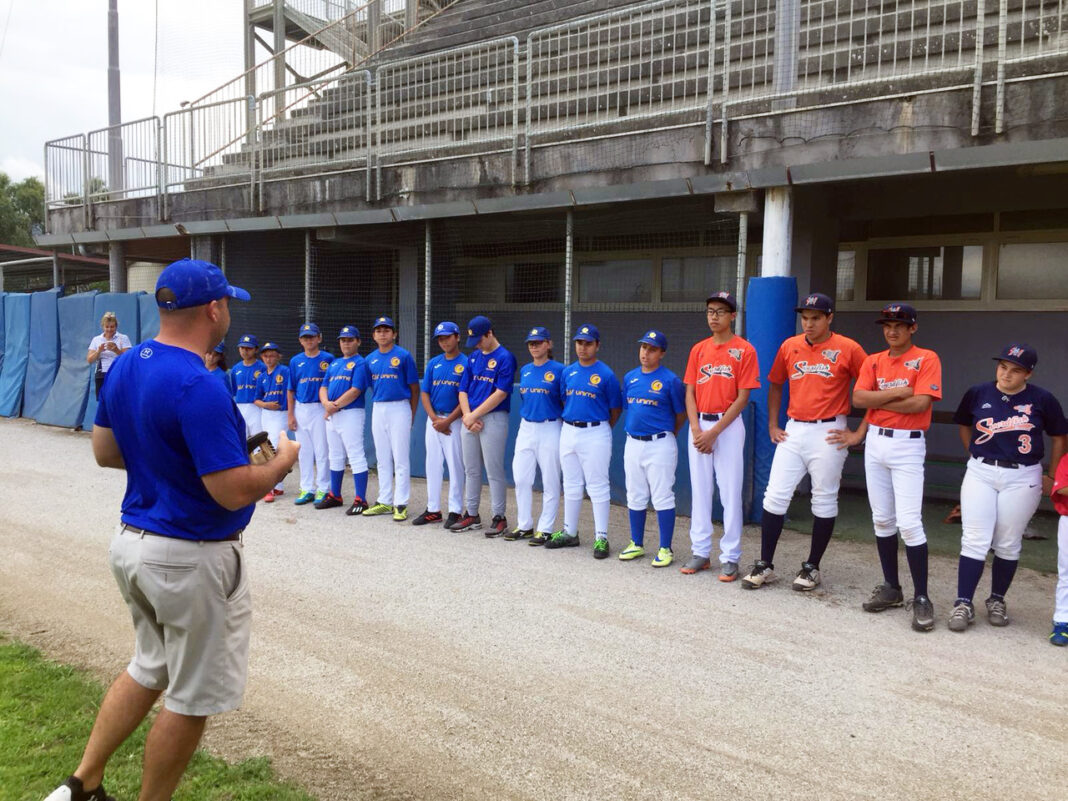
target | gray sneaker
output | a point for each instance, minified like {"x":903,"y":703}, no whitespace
{"x":728,"y":571}
{"x":883,"y":597}
{"x":962,"y":616}
{"x":922,"y":613}
{"x":759,"y":574}
{"x":996,"y":612}
{"x":695,"y":564}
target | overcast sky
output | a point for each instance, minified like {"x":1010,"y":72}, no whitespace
{"x":54,"y":63}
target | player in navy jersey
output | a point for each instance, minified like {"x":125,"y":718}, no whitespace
{"x":395,"y":384}
{"x":440,"y":396}
{"x":306,"y":371}
{"x":537,"y":444}
{"x":272,"y":398}
{"x":592,"y":405}
{"x":244,"y":377}
{"x":341,"y":395}
{"x":656,"y":408}
{"x":1002,"y":424}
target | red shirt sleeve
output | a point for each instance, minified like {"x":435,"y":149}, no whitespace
{"x":749,"y":371}
{"x":929,"y":381}
{"x":866,"y":376}
{"x":779,"y":373}
{"x":1060,"y":480}
{"x":691,"y":366}
{"x":857,"y":356}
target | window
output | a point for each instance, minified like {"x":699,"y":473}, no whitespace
{"x":1032,"y":270}
{"x":847,"y":272}
{"x":925,"y":273}
{"x":695,"y":278}
{"x":622,"y":281}
{"x":534,"y":282}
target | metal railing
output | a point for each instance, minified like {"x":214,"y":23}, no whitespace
{"x":65,"y":172}
{"x":134,"y":170}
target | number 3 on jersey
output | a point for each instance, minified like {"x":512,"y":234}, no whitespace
{"x":1025,"y":443}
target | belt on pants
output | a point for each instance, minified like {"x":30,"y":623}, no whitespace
{"x":235,"y":537}
{"x":648,"y":437}
{"x":999,"y":463}
{"x":897,"y":432}
{"x":584,"y":423}
{"x":711,"y":417}
{"x":549,"y":420}
{"x":824,"y":420}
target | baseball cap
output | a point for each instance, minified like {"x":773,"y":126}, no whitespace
{"x":349,"y":331}
{"x":309,"y":330}
{"x":445,"y":329}
{"x":270,"y":346}
{"x":221,"y":347}
{"x":723,"y":297}
{"x":538,"y":333}
{"x":587,"y":333}
{"x":248,"y":341}
{"x":1019,"y":353}
{"x":655,"y":338}
{"x":817,"y":301}
{"x":897,"y":313}
{"x":477,"y":328}
{"x":384,"y":322}
{"x":188,"y":282}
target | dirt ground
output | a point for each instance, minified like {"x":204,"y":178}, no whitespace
{"x":394,"y":662}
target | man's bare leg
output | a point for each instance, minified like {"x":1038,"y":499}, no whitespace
{"x":168,"y":749}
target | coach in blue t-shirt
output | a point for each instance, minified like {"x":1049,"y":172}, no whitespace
{"x":177,"y":555}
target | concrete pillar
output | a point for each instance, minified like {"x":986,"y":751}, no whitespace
{"x":408,"y":312}
{"x":309,"y":308}
{"x":374,"y":19}
{"x":117,"y":267}
{"x":279,"y":24}
{"x":202,"y":248}
{"x":814,"y":244}
{"x":55,"y":269}
{"x":778,"y":231}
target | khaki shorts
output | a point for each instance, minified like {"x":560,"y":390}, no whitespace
{"x":192,"y":612}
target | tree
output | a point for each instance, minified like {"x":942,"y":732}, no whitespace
{"x":21,"y":207}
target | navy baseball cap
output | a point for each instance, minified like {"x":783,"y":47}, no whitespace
{"x":655,"y":338}
{"x":187,"y":283}
{"x":349,"y":331}
{"x":1021,"y":354}
{"x":445,"y":329}
{"x":478,"y":328}
{"x":248,"y":341}
{"x":723,"y":297}
{"x":587,"y":333}
{"x":538,"y":333}
{"x":817,"y":301}
{"x":897,"y":313}
{"x":270,"y":346}
{"x":384,"y":322}
{"x":221,"y":347}
{"x":308,"y":330}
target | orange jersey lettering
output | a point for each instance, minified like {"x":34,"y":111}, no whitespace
{"x":718,"y":372}
{"x":917,"y":368}
{"x":819,"y":375}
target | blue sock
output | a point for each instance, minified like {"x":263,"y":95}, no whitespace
{"x":1001,"y":577}
{"x":969,"y":571}
{"x":637,"y":525}
{"x":360,"y":479}
{"x":887,"y":547}
{"x":917,"y":559}
{"x":665,"y":519}
{"x":335,"y":482}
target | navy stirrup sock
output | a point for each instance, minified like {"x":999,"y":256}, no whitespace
{"x":917,"y":557}
{"x":969,"y":571}
{"x":1001,"y":575}
{"x":770,"y":531}
{"x":822,"y":529}
{"x":888,"y":559}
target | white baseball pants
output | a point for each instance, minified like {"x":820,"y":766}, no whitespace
{"x":649,"y":467}
{"x":486,"y":446}
{"x":585,"y":454}
{"x":720,"y":469}
{"x":537,"y":447}
{"x":314,"y":451}
{"x":444,"y":449}
{"x":273,"y":423}
{"x":893,"y":472}
{"x":251,"y":413}
{"x":1060,"y":611}
{"x":344,"y":434}
{"x":806,"y":450}
{"x":996,"y":504}
{"x":391,"y":427}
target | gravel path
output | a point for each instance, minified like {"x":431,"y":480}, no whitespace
{"x":390,"y":662}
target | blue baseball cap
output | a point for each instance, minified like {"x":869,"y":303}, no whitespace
{"x":538,"y":333}
{"x":248,"y":341}
{"x":308,"y":330}
{"x":655,"y":338}
{"x":478,"y":328}
{"x":270,"y":346}
{"x":723,"y":297}
{"x":817,"y":301}
{"x":349,"y":331}
{"x":587,"y":333}
{"x":897,"y":313}
{"x":1019,"y":353}
{"x":221,"y":347}
{"x":384,"y":322}
{"x":446,"y":329}
{"x":187,"y":283}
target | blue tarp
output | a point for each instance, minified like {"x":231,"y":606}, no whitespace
{"x":44,"y":350}
{"x":16,"y":353}
{"x":65,"y":404}
{"x":2,"y":296}
{"x":149,"y":318}
{"x":127,"y":307}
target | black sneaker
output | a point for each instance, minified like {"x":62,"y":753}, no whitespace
{"x":884,"y":597}
{"x":498,"y":526}
{"x":561,"y":539}
{"x":450,"y":521}
{"x":358,"y":506}
{"x":329,"y":501}
{"x":922,"y":613}
{"x":467,"y":523}
{"x":427,"y":517}
{"x":72,"y":790}
{"x":519,"y":534}
{"x":540,"y":538}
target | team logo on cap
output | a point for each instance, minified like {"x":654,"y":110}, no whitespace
{"x":470,"y":333}
{"x":278,"y":379}
{"x":246,"y":339}
{"x":306,"y":328}
{"x":1016,"y":350}
{"x":914,"y":364}
{"x":651,"y":335}
{"x":595,"y":379}
{"x":549,"y":376}
{"x":533,"y":332}
{"x":458,"y":369}
{"x":585,"y":330}
{"x":735,"y":353}
{"x":394,"y":362}
{"x":350,"y":365}
{"x":893,"y":309}
{"x":830,"y":355}
{"x":381,"y":319}
{"x":491,"y":363}
{"x":656,"y":386}
{"x":723,"y":294}
{"x":323,"y":365}
{"x":811,"y":300}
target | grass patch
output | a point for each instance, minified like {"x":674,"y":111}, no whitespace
{"x":46,"y":712}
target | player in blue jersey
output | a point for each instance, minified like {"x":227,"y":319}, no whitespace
{"x":395,"y":384}
{"x":656,"y":409}
{"x":592,"y":405}
{"x":215,"y":361}
{"x":485,"y":399}
{"x":306,"y":372}
{"x":537,"y":445}
{"x":440,"y":396}
{"x":342,"y":397}
{"x":244,"y":376}
{"x":272,"y":398}
{"x":1002,"y":424}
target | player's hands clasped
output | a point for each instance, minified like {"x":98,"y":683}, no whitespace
{"x":441,"y":425}
{"x":705,"y":441}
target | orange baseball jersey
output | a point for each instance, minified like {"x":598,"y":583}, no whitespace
{"x":819,"y":375}
{"x":718,"y":372}
{"x":917,"y":368}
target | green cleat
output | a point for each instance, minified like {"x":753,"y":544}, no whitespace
{"x":400,"y":513}
{"x":378,"y":509}
{"x":632,"y":551}
{"x":561,"y":539}
{"x":319,"y":496}
{"x":600,"y":549}
{"x":303,"y":498}
{"x":663,"y":558}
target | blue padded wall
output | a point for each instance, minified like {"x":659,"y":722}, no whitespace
{"x":44,"y":350}
{"x":65,"y":404}
{"x":16,"y":353}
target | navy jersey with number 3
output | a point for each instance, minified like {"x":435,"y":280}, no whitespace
{"x":1010,"y":427}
